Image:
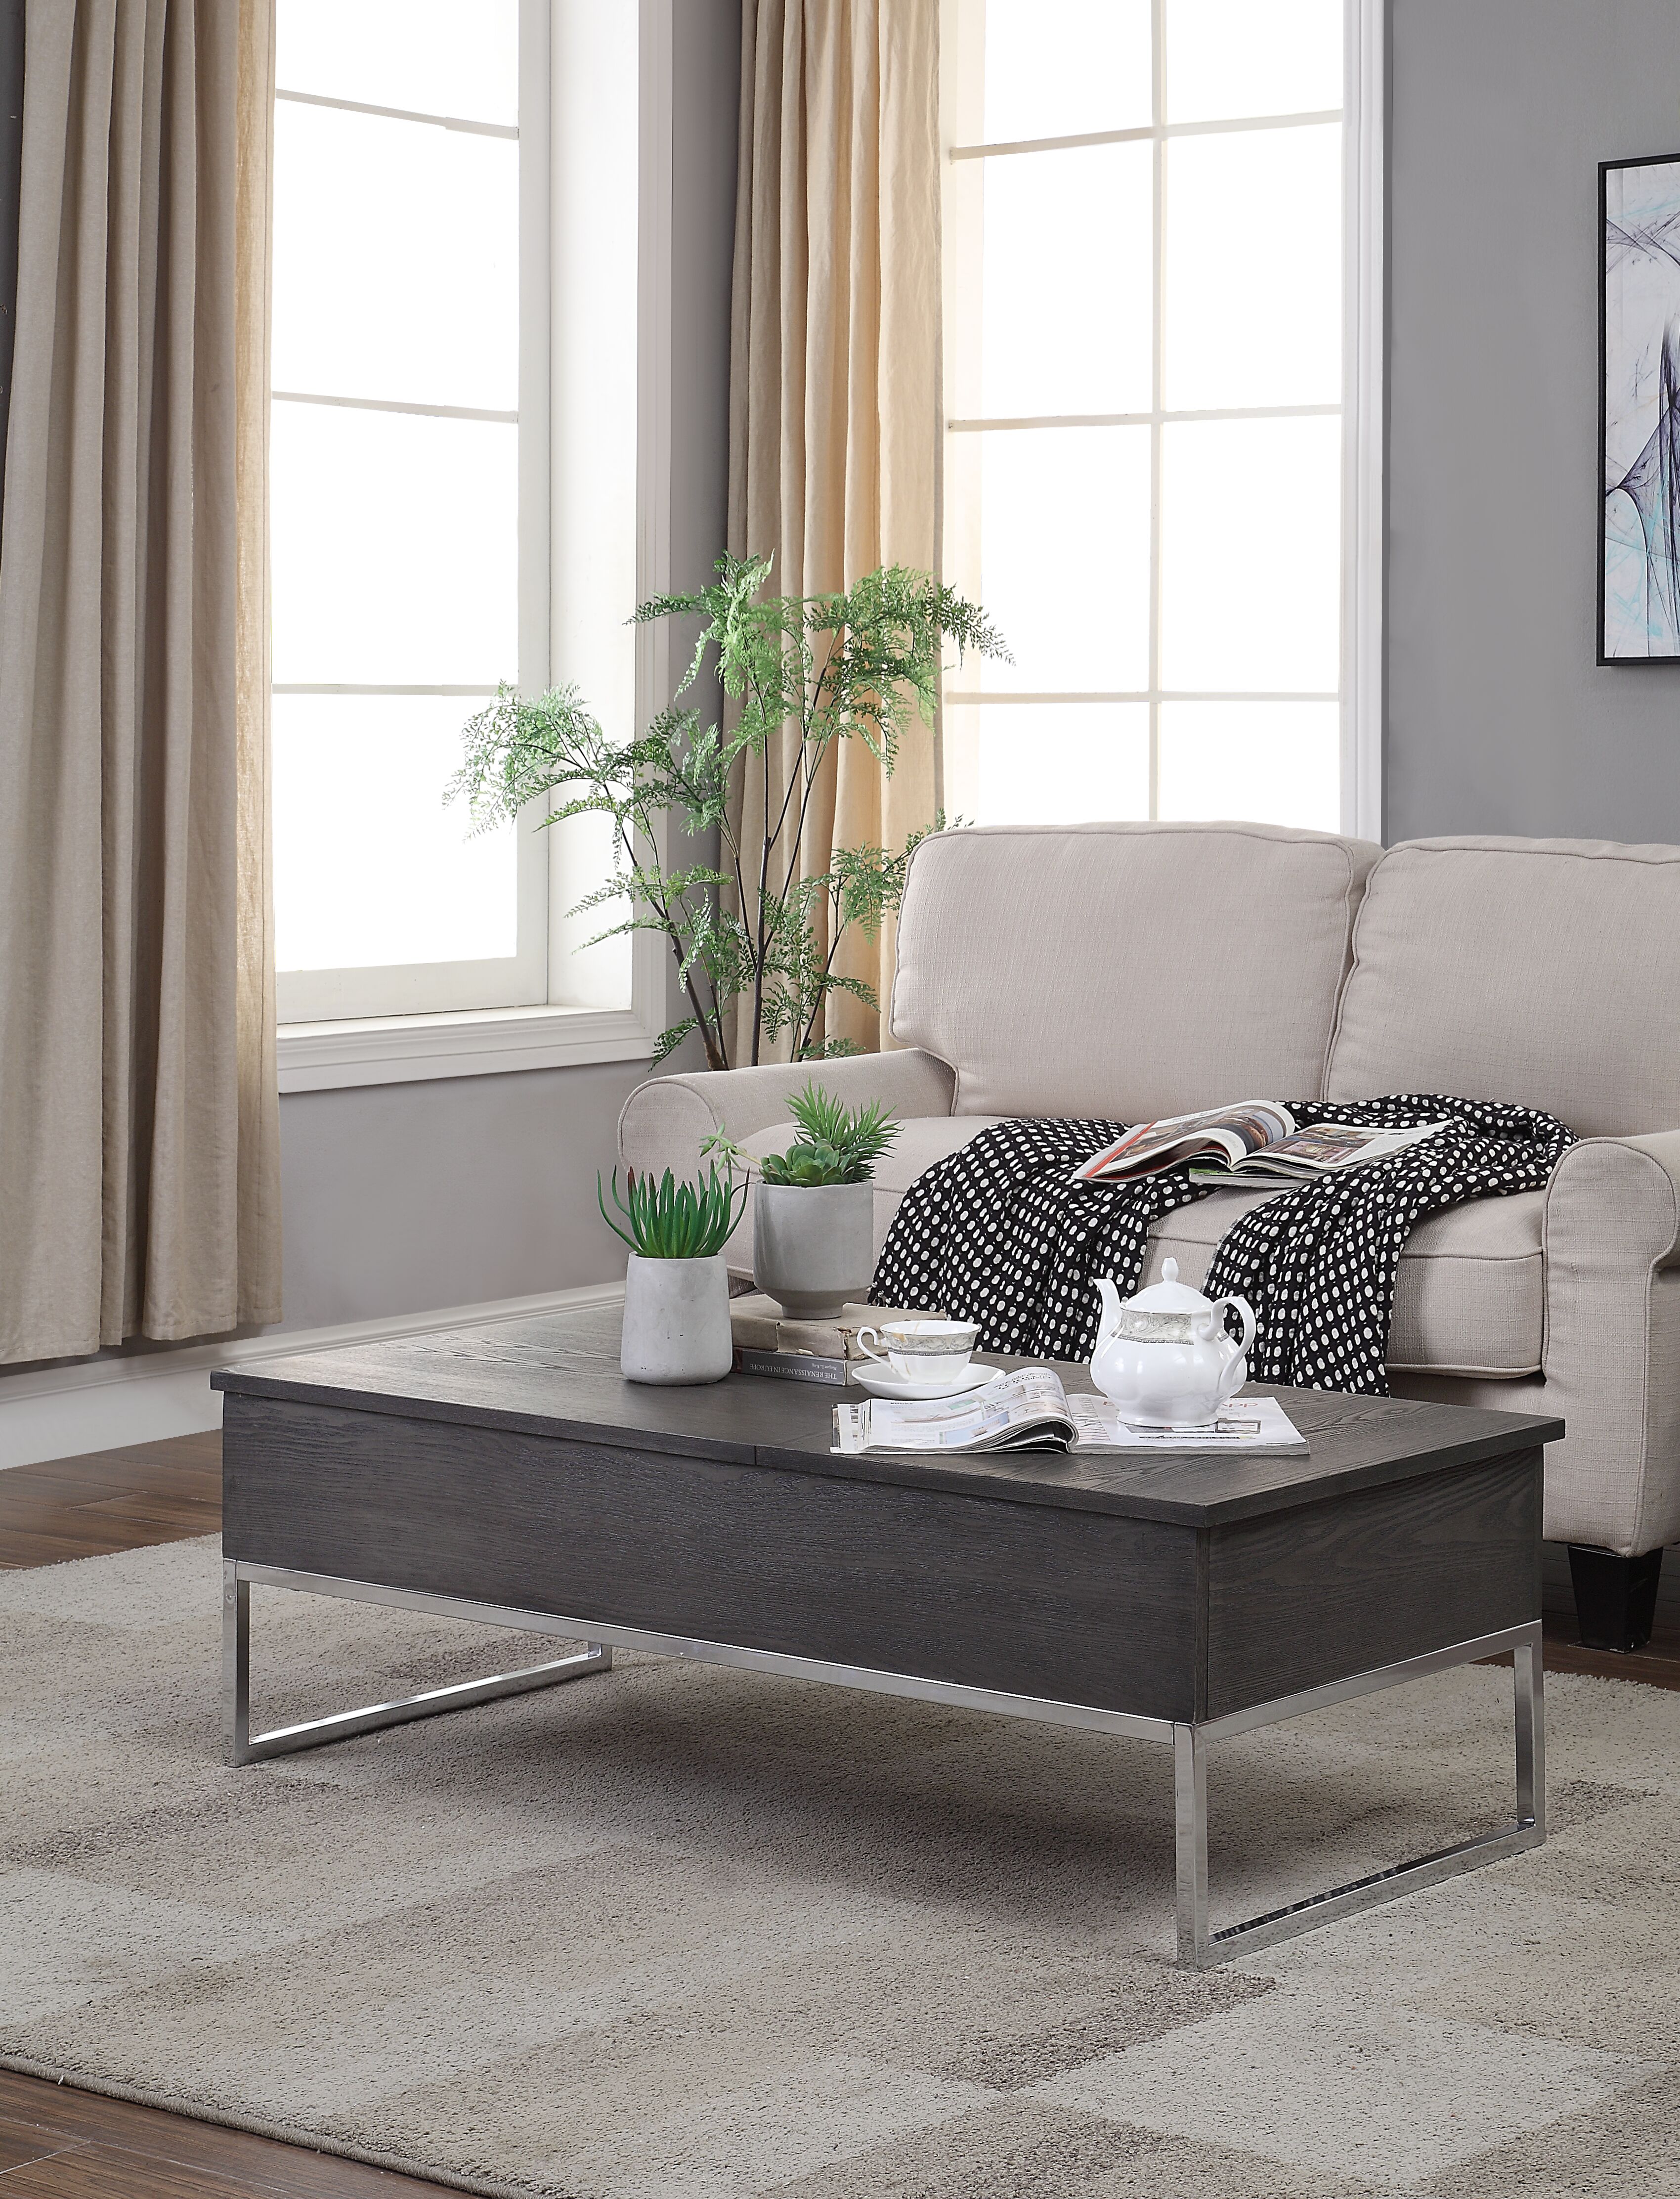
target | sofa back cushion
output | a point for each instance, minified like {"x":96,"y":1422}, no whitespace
{"x":1126,"y":971}
{"x":1542,"y":972}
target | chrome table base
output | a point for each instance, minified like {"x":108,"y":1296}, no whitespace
{"x":245,"y":1747}
{"x":1201,"y":1949}
{"x":1199,"y":1946}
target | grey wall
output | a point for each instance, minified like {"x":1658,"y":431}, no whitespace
{"x":1498,"y":719}
{"x":399,"y":1198}
{"x":705,"y":96}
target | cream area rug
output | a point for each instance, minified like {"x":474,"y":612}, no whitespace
{"x":677,"y":1933}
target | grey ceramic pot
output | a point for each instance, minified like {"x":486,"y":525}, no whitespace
{"x":813,"y":1251}
{"x":676,"y":1320}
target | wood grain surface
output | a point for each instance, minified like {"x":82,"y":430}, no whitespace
{"x":57,"y":2143}
{"x":558,"y":1376}
{"x":109,"y":1501}
{"x":1369,"y":1579}
{"x":1034,"y":1599}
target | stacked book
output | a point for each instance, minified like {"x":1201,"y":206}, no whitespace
{"x":769,"y":1341}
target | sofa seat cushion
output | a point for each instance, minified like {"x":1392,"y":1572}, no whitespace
{"x":1470,"y":1294}
{"x":1470,"y":1298}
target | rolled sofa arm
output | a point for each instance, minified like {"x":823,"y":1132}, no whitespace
{"x":665,"y":1122}
{"x":1611,"y":1350}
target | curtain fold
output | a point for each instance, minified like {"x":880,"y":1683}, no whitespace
{"x":138,"y":1119}
{"x":11,"y":153}
{"x":835,"y":404}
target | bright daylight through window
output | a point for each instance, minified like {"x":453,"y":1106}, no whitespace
{"x":411,"y":443}
{"x":1144,"y":456}
{"x":394,"y":443}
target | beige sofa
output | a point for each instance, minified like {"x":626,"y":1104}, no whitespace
{"x":1129,"y":970}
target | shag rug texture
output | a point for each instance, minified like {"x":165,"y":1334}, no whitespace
{"x":680,"y":1933}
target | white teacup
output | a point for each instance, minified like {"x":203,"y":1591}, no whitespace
{"x":930,"y":1351}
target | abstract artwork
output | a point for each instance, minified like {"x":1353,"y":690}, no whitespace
{"x":1639,"y":410}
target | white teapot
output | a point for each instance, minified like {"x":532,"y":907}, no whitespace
{"x":1166,"y":1357}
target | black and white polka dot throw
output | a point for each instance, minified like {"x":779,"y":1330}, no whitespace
{"x":998,"y":1233}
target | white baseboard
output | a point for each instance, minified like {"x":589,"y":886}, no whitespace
{"x":63,"y":1412}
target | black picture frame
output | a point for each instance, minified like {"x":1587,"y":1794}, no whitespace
{"x":1663,"y":565}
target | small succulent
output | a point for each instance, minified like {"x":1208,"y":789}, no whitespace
{"x":671,"y":1220}
{"x":841,"y":1144}
{"x":808,"y":1163}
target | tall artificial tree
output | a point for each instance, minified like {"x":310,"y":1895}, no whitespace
{"x":755,"y":926}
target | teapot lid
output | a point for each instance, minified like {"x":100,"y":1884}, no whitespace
{"x":1169,"y":1295}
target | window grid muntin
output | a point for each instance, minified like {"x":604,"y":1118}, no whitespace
{"x":1157,"y":134}
{"x":467,"y":983}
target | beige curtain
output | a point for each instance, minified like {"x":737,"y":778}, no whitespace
{"x":138,"y":1120}
{"x":834,"y":372}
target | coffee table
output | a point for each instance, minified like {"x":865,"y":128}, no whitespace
{"x":508,"y":1474}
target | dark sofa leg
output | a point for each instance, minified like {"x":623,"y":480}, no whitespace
{"x":1615,"y":1598}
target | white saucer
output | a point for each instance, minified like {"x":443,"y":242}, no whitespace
{"x":882,"y":1382}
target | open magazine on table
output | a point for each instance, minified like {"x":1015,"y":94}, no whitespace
{"x":1029,"y":1411}
{"x":1255,"y":1142}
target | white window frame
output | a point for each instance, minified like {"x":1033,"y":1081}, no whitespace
{"x":1364,"y":423}
{"x":1361,"y":688}
{"x":331,"y":1042}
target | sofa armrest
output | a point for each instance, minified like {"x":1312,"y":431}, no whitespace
{"x":665,"y":1122}
{"x":1612,"y":1350}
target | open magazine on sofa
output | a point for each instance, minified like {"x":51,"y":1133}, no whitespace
{"x":1029,"y":1411}
{"x":1255,"y":1142}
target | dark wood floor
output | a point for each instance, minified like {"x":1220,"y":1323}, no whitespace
{"x":59,"y":2143}
{"x":116,"y":1500}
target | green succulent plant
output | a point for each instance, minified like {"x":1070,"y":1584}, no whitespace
{"x":841,"y":1144}
{"x":672,"y":1221}
{"x":808,"y":1165}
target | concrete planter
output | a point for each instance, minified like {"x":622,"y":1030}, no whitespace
{"x":676,"y":1320}
{"x":813,"y":1251}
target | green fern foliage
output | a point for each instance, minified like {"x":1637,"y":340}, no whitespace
{"x":756,"y":936}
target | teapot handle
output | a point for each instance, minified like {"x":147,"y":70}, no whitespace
{"x":1250,"y":1325}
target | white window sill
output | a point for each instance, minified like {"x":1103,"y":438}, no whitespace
{"x":486,"y":1042}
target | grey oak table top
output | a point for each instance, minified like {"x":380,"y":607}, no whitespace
{"x":556,"y":1375}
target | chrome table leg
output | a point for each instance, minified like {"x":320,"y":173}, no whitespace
{"x":246,"y":1747}
{"x":1531,"y":1686}
{"x":1200,"y":1948}
{"x":1190,"y":1825}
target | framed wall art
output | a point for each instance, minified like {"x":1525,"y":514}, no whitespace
{"x":1639,"y":410}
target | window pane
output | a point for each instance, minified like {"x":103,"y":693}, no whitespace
{"x":1250,"y":554}
{"x":1277,"y":763}
{"x":369,"y":868}
{"x":1253,"y":289}
{"x":396,"y":260}
{"x":1063,"y":71}
{"x":428,"y":55}
{"x":1066,"y":276}
{"x":395,"y":550}
{"x":1227,"y":58}
{"x":1064,"y":556}
{"x":1061,"y":763}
